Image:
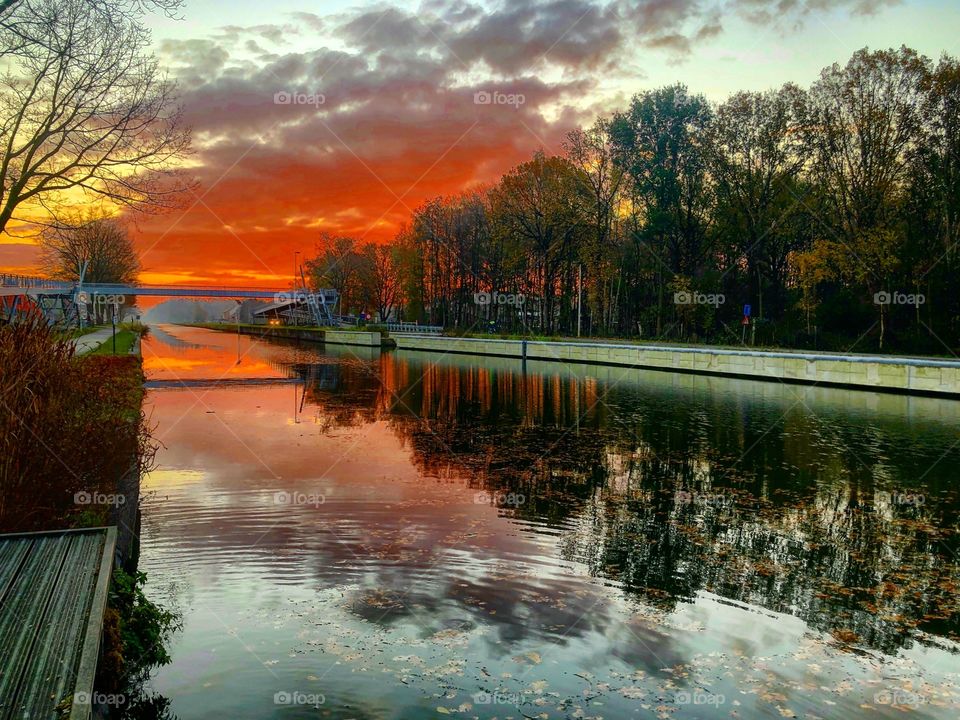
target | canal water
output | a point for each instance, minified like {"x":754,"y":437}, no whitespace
{"x":350,"y":534}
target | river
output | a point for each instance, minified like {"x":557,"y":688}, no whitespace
{"x":356,"y":534}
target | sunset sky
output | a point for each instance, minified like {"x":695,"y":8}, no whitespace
{"x":398,"y":122}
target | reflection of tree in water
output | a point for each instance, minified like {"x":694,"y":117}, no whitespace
{"x":145,"y":705}
{"x":346,"y":392}
{"x":676,"y":494}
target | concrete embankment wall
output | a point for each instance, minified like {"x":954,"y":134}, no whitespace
{"x":892,"y":374}
{"x":334,"y":337}
{"x":352,"y":337}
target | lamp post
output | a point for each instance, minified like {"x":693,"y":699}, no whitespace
{"x":293,"y":305}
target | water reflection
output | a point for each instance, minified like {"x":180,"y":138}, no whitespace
{"x":788,"y":505}
{"x":571,"y":541}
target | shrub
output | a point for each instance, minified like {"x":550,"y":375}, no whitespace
{"x":68,"y":425}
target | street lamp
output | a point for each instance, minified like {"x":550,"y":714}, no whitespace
{"x":293,"y":304}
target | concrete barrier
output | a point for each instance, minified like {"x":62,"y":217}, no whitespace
{"x":875,"y":372}
{"x":286,"y":332}
{"x":352,"y":337}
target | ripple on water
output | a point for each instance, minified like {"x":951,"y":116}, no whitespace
{"x":610,"y":589}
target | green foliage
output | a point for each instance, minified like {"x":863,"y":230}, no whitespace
{"x":803,"y":203}
{"x":145,"y":628}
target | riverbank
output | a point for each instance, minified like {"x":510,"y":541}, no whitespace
{"x":922,"y":376}
{"x":73,"y":447}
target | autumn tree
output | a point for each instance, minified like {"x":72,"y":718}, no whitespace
{"x":868,"y":118}
{"x":804,"y":203}
{"x":540,"y":202}
{"x":933,"y":204}
{"x":758,"y":144}
{"x":659,"y":142}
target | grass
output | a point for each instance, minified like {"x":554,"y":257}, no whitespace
{"x":125,"y":341}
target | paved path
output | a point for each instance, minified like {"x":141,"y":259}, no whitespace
{"x":91,"y":341}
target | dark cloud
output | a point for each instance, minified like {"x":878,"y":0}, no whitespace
{"x":523,"y":35}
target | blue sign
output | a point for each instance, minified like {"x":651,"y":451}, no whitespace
{"x":746,"y":311}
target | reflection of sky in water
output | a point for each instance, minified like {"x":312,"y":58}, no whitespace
{"x":400,"y":593}
{"x":190,"y":353}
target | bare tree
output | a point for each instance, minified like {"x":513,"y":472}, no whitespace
{"x":85,"y":112}
{"x":338,"y":265}
{"x":592,"y":154}
{"x":540,"y":203}
{"x":127,"y":8}
{"x":868,"y":116}
{"x":382,"y":278}
{"x":100,"y":243}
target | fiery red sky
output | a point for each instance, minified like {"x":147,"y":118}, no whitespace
{"x":387,"y":114}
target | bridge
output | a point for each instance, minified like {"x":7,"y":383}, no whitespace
{"x":58,"y":299}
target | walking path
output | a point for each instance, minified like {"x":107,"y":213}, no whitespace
{"x":91,"y":341}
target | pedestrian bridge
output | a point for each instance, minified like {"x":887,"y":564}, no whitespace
{"x":35,"y":286}
{"x":56,"y":297}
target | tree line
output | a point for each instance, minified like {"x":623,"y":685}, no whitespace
{"x":832,"y":211}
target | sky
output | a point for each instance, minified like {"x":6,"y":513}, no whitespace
{"x":341,"y":117}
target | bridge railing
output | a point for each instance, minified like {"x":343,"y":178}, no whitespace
{"x":30,"y":281}
{"x":324,"y":296}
